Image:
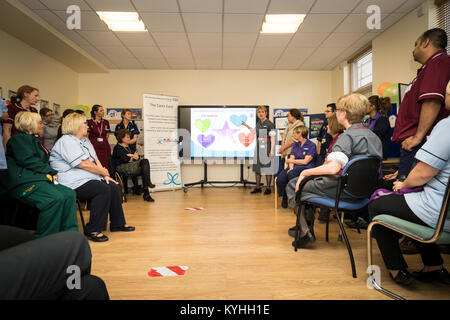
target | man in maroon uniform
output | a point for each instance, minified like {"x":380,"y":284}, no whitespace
{"x":424,"y":103}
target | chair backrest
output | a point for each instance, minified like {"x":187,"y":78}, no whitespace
{"x":362,"y":176}
{"x":444,"y":215}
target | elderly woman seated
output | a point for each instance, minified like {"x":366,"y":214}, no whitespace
{"x":74,"y":157}
{"x":30,"y":178}
{"x":356,"y":141}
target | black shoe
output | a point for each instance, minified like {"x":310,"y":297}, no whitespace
{"x":122,"y":228}
{"x":439,"y":275}
{"x":291,"y":231}
{"x":137,"y":191}
{"x":303,"y":241}
{"x":151,"y":185}
{"x":267,"y":191}
{"x":324,"y":215}
{"x":148,"y":197}
{"x":360,"y":223}
{"x":256,"y":190}
{"x":93,"y":236}
{"x":284,"y":202}
{"x":403,"y":277}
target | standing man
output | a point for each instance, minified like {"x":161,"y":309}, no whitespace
{"x":424,"y":103}
{"x":324,"y":139}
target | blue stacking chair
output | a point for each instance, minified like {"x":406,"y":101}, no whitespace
{"x":359,"y":179}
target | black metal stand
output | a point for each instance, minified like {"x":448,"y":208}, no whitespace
{"x":205,"y":178}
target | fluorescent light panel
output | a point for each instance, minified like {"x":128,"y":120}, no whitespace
{"x":122,"y":21}
{"x":282,"y":23}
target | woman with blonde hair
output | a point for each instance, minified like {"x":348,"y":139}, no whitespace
{"x":79,"y":168}
{"x":31,"y":179}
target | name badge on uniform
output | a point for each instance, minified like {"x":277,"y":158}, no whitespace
{"x":99,"y":139}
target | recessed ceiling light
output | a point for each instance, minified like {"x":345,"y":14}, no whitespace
{"x":122,"y":21}
{"x":282,"y":23}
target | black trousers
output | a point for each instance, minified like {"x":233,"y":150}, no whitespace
{"x":104,"y":198}
{"x":387,"y":239}
{"x":37,"y":269}
{"x":144,"y":172}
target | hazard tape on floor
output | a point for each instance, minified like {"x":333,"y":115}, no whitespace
{"x":194,"y":209}
{"x":167,"y":271}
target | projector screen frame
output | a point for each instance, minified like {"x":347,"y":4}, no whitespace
{"x":188,"y":145}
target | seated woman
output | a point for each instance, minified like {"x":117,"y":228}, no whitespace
{"x":127,"y":160}
{"x":74,"y":157}
{"x":30,"y":178}
{"x":356,"y":141}
{"x":378,"y":122}
{"x":432,"y":172}
{"x":300,"y":158}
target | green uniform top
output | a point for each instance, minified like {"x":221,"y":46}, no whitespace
{"x":27,"y":162}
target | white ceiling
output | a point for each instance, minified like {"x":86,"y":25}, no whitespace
{"x":223,"y":34}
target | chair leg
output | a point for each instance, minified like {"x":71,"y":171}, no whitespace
{"x":373,"y":281}
{"x":80,"y":210}
{"x":276,"y":193}
{"x":327,"y":228}
{"x":349,"y":248}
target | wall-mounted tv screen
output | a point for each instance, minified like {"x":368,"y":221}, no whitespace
{"x":217,"y":131}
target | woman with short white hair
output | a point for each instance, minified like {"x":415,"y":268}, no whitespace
{"x":31,"y":179}
{"x":79,"y":168}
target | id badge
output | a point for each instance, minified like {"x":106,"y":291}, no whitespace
{"x":99,"y":139}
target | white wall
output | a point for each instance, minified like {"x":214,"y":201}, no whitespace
{"x":21,"y":64}
{"x":288,"y":89}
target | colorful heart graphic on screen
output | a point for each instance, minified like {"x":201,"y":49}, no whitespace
{"x":237,"y":120}
{"x":246,"y":139}
{"x":202,"y":125}
{"x":206,"y":141}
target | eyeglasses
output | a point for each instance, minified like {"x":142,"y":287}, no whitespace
{"x":327,"y":111}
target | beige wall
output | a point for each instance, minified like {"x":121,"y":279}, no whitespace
{"x":392,"y":50}
{"x":124,"y":88}
{"x":21,"y":64}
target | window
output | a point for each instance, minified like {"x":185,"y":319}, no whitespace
{"x":362,"y":73}
{"x":443,"y":12}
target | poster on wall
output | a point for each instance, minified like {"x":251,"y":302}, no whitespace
{"x":57,"y":110}
{"x":283,"y":112}
{"x":161,"y":140}
{"x":113,"y":115}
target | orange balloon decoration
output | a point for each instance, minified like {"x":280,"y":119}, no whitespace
{"x":383,"y":86}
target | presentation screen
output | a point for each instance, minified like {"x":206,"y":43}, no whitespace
{"x":217,"y":131}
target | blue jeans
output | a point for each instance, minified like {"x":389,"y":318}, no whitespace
{"x":284,"y":177}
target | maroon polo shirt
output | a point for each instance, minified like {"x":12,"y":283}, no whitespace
{"x":430,"y":83}
{"x":14,"y":109}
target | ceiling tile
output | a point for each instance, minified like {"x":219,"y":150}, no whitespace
{"x":243,"y":22}
{"x":409,"y":6}
{"x":100,"y":38}
{"x":321,"y":22}
{"x":181,"y":63}
{"x":127,"y":63}
{"x":390,"y":20}
{"x":181,"y":53}
{"x":213,"y":6}
{"x":64,"y":4}
{"x":52,"y":19}
{"x":292,"y":58}
{"x":154,"y":63}
{"x":207,"y":53}
{"x":208,"y":63}
{"x":156,"y":5}
{"x":203,"y":22}
{"x":171,"y":39}
{"x":341,"y":40}
{"x":237,"y":53}
{"x":136,"y":39}
{"x":111,"y":5}
{"x":239,"y":40}
{"x":273,"y":40}
{"x":90,"y":21}
{"x":246,"y":6}
{"x":265,"y":58}
{"x":355,"y":23}
{"x":205,"y":40}
{"x":320,"y":59}
{"x":115,"y":51}
{"x":386,"y":6}
{"x":97,"y":55}
{"x":162,"y":22}
{"x":146,"y":52}
{"x":333,"y":6}
{"x":290,"y":6}
{"x":365,"y":40}
{"x":34,"y":4}
{"x":308,"y":39}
